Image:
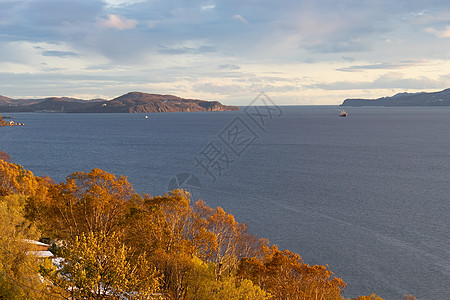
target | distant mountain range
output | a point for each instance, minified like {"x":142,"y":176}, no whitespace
{"x":441,"y":98}
{"x":133,"y":102}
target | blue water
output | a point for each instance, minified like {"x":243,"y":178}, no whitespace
{"x":367,"y":194}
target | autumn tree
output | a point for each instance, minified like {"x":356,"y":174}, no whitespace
{"x":220,"y":239}
{"x":161,"y":226}
{"x":203,"y":285}
{"x":14,"y":179}
{"x":5,"y":156}
{"x":88,"y":202}
{"x":285,"y":276}
{"x":121,"y":244}
{"x":178,"y":236}
{"x":174,"y":232}
{"x":171,"y":215}
{"x":99,"y":266}
{"x":18,"y":268}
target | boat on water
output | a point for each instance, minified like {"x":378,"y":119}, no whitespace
{"x":343,"y":113}
{"x":146,"y":117}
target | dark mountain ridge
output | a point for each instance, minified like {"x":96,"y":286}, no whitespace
{"x":133,"y":102}
{"x":6,"y":101}
{"x":440,"y":98}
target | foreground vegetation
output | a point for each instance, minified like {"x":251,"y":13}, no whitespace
{"x":117,"y":244}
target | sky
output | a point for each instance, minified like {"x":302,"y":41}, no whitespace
{"x":299,"y":52}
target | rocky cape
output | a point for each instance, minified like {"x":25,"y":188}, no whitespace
{"x":3,"y":122}
{"x":133,"y":102}
{"x":441,"y":98}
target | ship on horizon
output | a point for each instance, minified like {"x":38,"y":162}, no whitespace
{"x":343,"y":113}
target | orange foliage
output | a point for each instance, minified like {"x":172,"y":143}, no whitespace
{"x":88,"y":202}
{"x":14,"y":179}
{"x":4,"y":156}
{"x":284,"y":275}
{"x":170,"y":232}
{"x":220,"y":239}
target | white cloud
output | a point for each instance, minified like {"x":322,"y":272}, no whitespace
{"x":229,"y":67}
{"x":428,"y":18}
{"x":180,"y":44}
{"x":207,"y":7}
{"x":57,"y":53}
{"x":444,"y":33}
{"x":118,"y":22}
{"x":240,"y":18}
{"x":119,"y":3}
{"x":382,"y":66}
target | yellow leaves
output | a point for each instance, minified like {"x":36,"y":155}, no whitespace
{"x":120,"y":243}
{"x":203,"y":284}
{"x":15,"y":265}
{"x":14,"y":179}
{"x":98,"y":264}
{"x":18,"y":184}
{"x":218,"y":237}
{"x":172,"y":232}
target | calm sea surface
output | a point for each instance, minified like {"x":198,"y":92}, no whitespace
{"x":369,"y":194}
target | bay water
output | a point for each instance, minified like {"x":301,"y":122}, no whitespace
{"x":368,"y":194}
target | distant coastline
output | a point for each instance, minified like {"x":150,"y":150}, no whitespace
{"x":133,"y":102}
{"x":440,"y":98}
{"x":8,"y":123}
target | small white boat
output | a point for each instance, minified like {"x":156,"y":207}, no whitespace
{"x":146,"y":117}
{"x":343,"y":113}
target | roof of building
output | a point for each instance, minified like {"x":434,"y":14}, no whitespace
{"x":35,"y":243}
{"x":41,"y":254}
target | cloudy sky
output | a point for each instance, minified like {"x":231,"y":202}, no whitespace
{"x":299,"y":52}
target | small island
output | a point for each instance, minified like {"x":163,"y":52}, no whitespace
{"x":133,"y":102}
{"x":441,"y":98}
